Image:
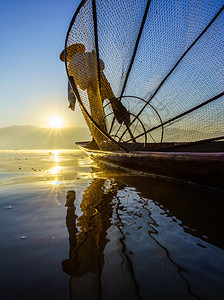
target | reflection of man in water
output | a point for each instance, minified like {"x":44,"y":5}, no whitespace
{"x":83,"y":68}
{"x":96,"y":269}
{"x":86,"y":257}
{"x":69,"y":265}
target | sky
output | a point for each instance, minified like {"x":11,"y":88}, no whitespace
{"x":33,"y":80}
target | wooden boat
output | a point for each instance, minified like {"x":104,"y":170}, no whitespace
{"x":148,"y":76}
{"x":205,"y":169}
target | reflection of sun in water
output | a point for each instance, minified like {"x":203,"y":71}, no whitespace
{"x":56,"y":122}
{"x":55,"y":177}
{"x":56,"y":182}
{"x":55,"y":170}
{"x":56,"y":158}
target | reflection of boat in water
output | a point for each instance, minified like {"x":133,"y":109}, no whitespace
{"x":122,"y":233}
{"x":163,"y":67}
{"x":200,"y":211}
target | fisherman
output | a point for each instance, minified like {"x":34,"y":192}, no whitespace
{"x":83,"y":67}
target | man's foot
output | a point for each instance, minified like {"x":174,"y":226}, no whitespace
{"x":92,"y":145}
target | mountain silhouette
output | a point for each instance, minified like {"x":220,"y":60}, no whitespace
{"x":31,"y":137}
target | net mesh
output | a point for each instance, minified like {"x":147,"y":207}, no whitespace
{"x":150,"y":72}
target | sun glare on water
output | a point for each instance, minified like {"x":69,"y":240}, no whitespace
{"x":56,"y":122}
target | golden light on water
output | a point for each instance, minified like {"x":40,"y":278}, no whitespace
{"x":56,"y":182}
{"x":56,"y":122}
{"x":55,"y":170}
{"x":56,"y":153}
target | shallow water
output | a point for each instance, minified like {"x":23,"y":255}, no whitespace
{"x":70,"y":230}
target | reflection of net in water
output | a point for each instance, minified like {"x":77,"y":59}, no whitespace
{"x":163,"y":61}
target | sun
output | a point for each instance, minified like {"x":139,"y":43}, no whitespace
{"x":56,"y":122}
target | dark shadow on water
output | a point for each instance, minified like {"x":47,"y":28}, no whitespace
{"x":108,"y":259}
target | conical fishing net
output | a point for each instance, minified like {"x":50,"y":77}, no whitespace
{"x":150,"y":74}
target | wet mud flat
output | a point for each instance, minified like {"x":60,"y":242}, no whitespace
{"x":70,"y":230}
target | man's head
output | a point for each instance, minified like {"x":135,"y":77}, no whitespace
{"x":70,"y":198}
{"x":71,"y":51}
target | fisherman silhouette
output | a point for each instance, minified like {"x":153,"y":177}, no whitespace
{"x":83,"y":68}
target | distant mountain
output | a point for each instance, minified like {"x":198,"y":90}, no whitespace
{"x":31,"y":137}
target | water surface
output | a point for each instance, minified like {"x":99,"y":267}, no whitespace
{"x":70,"y":230}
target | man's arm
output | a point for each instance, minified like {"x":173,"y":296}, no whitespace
{"x":120,"y":112}
{"x":71,"y":97}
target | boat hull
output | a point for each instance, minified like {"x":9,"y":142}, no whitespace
{"x":205,"y":169}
